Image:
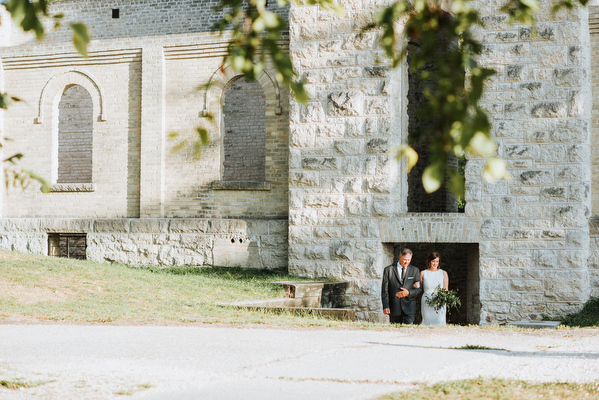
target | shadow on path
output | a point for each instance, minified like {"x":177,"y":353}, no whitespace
{"x":539,"y":354}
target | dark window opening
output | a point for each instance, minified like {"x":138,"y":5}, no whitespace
{"x":115,"y":13}
{"x":421,"y":128}
{"x":67,"y":245}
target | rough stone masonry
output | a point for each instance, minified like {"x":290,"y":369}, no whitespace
{"x":316,"y":193}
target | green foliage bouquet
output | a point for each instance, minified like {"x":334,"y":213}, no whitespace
{"x":443,"y":297}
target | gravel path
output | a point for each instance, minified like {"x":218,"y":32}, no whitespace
{"x":214,"y":362}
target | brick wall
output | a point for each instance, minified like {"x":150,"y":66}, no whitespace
{"x":75,"y":125}
{"x":114,"y":84}
{"x":192,"y":186}
{"x":136,"y":18}
{"x":143,"y":89}
{"x":244,"y":132}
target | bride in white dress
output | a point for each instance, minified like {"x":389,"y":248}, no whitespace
{"x":432,"y":278}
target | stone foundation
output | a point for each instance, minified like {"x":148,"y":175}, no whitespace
{"x":160,"y":241}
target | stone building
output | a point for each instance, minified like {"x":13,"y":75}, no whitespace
{"x":307,"y":188}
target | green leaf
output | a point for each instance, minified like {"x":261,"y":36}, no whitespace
{"x":409,"y":153}
{"x":14,"y":158}
{"x":4,"y":100}
{"x":45,"y":184}
{"x":495,"y":169}
{"x":271,"y":20}
{"x":432,"y":177}
{"x":482,"y":145}
{"x":457,"y":183}
{"x":80,"y":38}
{"x":203,"y":135}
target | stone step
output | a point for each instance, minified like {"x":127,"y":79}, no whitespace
{"x":535,"y":324}
{"x":318,"y":294}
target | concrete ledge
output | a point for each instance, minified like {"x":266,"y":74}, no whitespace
{"x":115,"y":225}
{"x":149,"y":225}
{"x":189,"y":225}
{"x":268,"y":303}
{"x":535,"y":324}
{"x":430,"y":228}
{"x":72,"y":187}
{"x":338,"y":314}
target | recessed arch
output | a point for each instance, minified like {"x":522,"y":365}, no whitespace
{"x":73,"y":137}
{"x":243,"y":131}
{"x":56,"y":85}
{"x":225,"y":76}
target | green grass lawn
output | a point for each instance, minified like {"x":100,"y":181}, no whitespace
{"x":51,"y":288}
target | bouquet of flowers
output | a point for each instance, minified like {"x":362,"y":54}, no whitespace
{"x":442,"y":297}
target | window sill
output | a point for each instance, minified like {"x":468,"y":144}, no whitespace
{"x":72,"y":187}
{"x":233,"y":185}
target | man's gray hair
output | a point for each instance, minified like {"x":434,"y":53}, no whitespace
{"x":405,"y":251}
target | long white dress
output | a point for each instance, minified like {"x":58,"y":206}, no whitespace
{"x":430,"y":281}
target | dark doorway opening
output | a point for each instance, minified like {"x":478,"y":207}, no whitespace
{"x":461,"y":261}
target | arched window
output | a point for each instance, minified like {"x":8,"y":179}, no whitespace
{"x":75,"y":126}
{"x":244,"y":141}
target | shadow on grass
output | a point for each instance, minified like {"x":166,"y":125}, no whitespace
{"x":587,"y":317}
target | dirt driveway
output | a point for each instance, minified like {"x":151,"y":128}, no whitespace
{"x":224,"y":362}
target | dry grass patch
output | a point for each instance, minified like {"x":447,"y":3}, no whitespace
{"x":59,"y":289}
{"x":500,"y":389}
{"x":19,"y":383}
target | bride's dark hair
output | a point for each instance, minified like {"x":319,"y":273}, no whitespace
{"x":431,"y":256}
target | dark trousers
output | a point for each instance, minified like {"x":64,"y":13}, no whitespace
{"x":401,"y":319}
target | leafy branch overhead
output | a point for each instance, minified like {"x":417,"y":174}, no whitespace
{"x":29,"y":14}
{"x":443,"y":31}
{"x":445,"y":61}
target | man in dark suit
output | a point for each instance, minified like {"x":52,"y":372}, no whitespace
{"x":398,"y":292}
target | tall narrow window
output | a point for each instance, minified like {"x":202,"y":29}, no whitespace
{"x":420,"y":127}
{"x":75,"y":126}
{"x":244,"y":132}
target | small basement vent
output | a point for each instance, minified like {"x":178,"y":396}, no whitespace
{"x":68,"y":245}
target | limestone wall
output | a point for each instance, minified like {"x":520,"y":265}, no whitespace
{"x":161,"y":242}
{"x":593,"y":261}
{"x":530,"y":234}
{"x":536,"y":242}
{"x":341,"y":179}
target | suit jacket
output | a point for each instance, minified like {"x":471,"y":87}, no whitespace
{"x":391,"y":285}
